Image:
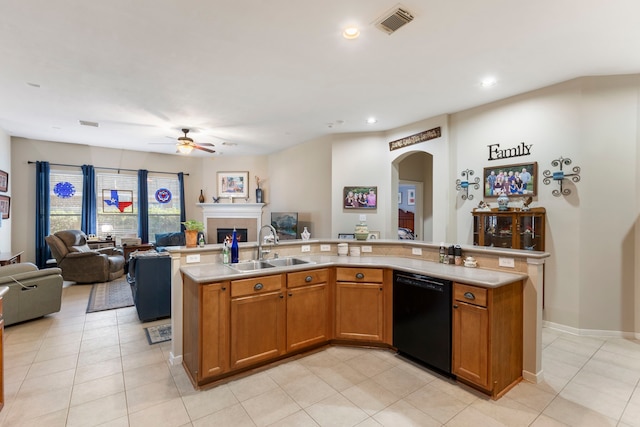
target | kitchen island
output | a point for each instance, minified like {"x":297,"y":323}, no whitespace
{"x":411,"y":256}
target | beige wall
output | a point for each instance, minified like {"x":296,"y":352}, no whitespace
{"x":592,"y":282}
{"x":5,"y":165}
{"x":25,"y":150}
{"x":590,"y":278}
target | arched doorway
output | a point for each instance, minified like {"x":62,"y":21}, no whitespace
{"x":415,"y":193}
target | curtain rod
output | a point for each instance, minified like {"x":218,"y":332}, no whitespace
{"x":113,"y":169}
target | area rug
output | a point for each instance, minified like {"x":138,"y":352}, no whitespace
{"x":159,"y":333}
{"x":110,"y":295}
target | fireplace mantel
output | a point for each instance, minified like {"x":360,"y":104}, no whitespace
{"x":248,"y":215}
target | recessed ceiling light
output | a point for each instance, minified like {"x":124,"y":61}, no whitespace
{"x":351,"y":33}
{"x":372,"y":120}
{"x":488,"y":82}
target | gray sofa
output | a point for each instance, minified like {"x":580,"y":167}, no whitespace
{"x":32,"y":293}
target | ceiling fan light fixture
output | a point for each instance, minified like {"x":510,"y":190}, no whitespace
{"x":185,"y":148}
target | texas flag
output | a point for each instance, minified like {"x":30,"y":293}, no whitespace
{"x":114,"y":201}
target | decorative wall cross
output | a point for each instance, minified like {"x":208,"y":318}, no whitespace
{"x":560,"y":176}
{"x":464,"y":184}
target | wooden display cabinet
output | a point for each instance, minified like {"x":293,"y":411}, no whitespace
{"x":514,"y":229}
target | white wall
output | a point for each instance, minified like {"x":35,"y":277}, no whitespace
{"x":5,"y":165}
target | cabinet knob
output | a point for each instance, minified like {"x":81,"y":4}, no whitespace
{"x":469,"y":295}
{"x":281,"y":296}
{"x":308,"y":279}
{"x":224,"y":288}
{"x":455,"y":306}
{"x":290,"y":294}
{"x":359,"y":276}
{"x":258,"y":286}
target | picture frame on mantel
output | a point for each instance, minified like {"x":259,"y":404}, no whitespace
{"x":492,"y":174}
{"x":233,"y":184}
{"x":4,"y":181}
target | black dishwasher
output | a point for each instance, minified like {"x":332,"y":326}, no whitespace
{"x":422,"y":319}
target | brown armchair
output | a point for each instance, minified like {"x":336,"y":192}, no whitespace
{"x":81,"y":264}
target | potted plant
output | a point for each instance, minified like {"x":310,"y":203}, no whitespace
{"x":192,"y":228}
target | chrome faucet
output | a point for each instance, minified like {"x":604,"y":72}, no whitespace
{"x":270,"y":238}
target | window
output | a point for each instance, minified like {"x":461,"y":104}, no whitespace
{"x":164,"y":204}
{"x":117,"y":204}
{"x":66,"y":200}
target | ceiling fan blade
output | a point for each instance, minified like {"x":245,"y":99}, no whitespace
{"x":208,"y":144}
{"x":204,"y":149}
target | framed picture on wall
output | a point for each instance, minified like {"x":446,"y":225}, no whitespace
{"x":233,"y":184}
{"x":4,"y":181}
{"x":286,"y":224}
{"x":411,"y":197}
{"x":5,"y":206}
{"x":360,"y":197}
{"x":513,"y":180}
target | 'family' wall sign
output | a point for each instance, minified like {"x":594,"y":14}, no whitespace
{"x":495,"y":153}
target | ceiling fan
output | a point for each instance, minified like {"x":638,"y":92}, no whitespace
{"x":185,"y":144}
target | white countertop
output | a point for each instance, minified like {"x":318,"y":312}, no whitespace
{"x":206,"y":273}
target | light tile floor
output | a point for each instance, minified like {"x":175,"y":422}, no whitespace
{"x":78,"y":369}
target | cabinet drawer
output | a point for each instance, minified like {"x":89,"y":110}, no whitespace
{"x":470,"y":294}
{"x":256,"y":285}
{"x":303,"y":278}
{"x":354,"y":274}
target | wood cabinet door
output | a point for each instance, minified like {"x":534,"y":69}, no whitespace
{"x":471,"y":343}
{"x":307,"y":316}
{"x":359,"y":311}
{"x":257,"y":328}
{"x":214,"y":327}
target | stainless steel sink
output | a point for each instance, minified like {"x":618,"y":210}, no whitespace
{"x":285,"y":262}
{"x":250,"y":265}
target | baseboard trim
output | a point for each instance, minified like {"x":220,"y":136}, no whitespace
{"x":535,"y":378}
{"x":175,"y":360}
{"x":589,"y":332}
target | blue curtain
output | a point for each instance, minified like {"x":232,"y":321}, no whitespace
{"x":42,"y":213}
{"x":143,"y":206}
{"x":89,"y":214}
{"x":183,"y":214}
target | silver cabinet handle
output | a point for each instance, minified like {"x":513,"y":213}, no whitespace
{"x":469,"y":295}
{"x":359,"y":276}
{"x":258,"y":286}
{"x":308,"y":279}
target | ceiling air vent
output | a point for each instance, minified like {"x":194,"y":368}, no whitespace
{"x":393,"y":20}
{"x":88,"y":123}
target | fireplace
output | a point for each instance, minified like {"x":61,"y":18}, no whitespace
{"x":246,"y":216}
{"x":241,"y":234}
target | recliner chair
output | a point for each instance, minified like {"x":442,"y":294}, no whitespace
{"x":32,"y":292}
{"x":81,"y":264}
